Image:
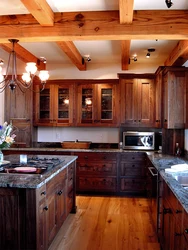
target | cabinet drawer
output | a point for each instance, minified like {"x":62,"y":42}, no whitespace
{"x":133,"y":157}
{"x":96,"y":184}
{"x":132,"y":169}
{"x":58,"y":181}
{"x":96,"y":157}
{"x":41,"y":193}
{"x":130,"y":184}
{"x":96,"y":168}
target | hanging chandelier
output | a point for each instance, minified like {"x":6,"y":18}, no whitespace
{"x":11,"y":78}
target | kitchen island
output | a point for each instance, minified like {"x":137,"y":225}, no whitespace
{"x":33,"y":207}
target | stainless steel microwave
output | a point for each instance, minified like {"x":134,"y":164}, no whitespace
{"x":139,"y":140}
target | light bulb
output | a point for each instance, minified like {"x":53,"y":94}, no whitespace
{"x":26,"y":77}
{"x":31,"y":68}
{"x":43,"y":75}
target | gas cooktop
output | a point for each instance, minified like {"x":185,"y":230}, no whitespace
{"x":34,"y":165}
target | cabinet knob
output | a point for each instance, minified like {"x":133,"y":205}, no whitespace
{"x":43,"y":193}
{"x":166,"y":210}
{"x":165,"y":120}
{"x":186,"y":231}
{"x":157,"y":120}
{"x":177,"y":234}
{"x":60,"y":192}
{"x":46,"y":208}
{"x":178,"y":211}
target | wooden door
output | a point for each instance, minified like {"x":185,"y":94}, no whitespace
{"x":158,"y":98}
{"x":64,"y":105}
{"x":146,"y":105}
{"x":129,"y":101}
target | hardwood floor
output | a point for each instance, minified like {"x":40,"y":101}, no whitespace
{"x":107,"y":223}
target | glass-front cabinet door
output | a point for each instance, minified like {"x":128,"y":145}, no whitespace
{"x":96,"y":104}
{"x":54,"y":105}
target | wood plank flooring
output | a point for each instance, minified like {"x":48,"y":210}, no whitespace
{"x":107,"y":223}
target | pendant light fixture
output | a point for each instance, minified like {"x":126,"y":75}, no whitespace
{"x":11,"y":78}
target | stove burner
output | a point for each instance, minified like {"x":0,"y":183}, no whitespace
{"x":41,"y":164}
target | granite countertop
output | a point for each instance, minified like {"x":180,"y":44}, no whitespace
{"x":161,"y":162}
{"x":32,"y":180}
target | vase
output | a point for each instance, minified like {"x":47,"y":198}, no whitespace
{"x":1,"y":157}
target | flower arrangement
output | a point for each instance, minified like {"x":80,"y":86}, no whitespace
{"x":6,"y":138}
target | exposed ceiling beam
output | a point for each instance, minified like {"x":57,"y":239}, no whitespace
{"x":125,"y":54}
{"x":71,"y":51}
{"x":41,"y":11}
{"x":179,"y":54}
{"x":98,"y":25}
{"x":125,"y":17}
{"x":23,"y":54}
{"x":126,"y":11}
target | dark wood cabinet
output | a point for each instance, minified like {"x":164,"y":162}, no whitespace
{"x":158,"y":97}
{"x":132,"y":178}
{"x":137,"y":101}
{"x":31,"y":218}
{"x":54,"y":106}
{"x":172,"y":231}
{"x":97,"y":104}
{"x":174,"y":97}
{"x":96,"y":173}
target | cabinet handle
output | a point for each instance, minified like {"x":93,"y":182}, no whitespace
{"x":134,"y":120}
{"x":46,"y":208}
{"x":139,"y":120}
{"x":60,"y":192}
{"x":178,"y":211}
{"x":133,"y":165}
{"x":165,"y":120}
{"x":177,"y":234}
{"x":186,"y":231}
{"x":43,"y":193}
{"x":166,"y":210}
{"x":157,"y":120}
{"x":133,"y":158}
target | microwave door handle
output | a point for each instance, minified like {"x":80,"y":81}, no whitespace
{"x":150,"y":169}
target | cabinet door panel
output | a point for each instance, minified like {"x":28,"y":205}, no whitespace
{"x":132,"y":169}
{"x":96,"y":184}
{"x":132,"y":184}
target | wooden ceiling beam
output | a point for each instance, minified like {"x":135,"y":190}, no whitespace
{"x":23,"y":54}
{"x":41,"y":11}
{"x":179,"y":54}
{"x":97,"y":25}
{"x":71,"y":51}
{"x":126,"y":11}
{"x":125,"y":54}
{"x":125,"y":17}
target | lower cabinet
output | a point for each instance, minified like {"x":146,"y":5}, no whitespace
{"x":173,"y":234}
{"x":30,"y":218}
{"x":96,"y":172}
{"x":132,"y":177}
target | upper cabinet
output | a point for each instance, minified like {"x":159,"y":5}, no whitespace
{"x":97,"y":104}
{"x":54,"y":106}
{"x":137,"y":100}
{"x":175,"y":98}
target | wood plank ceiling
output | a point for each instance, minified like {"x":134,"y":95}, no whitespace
{"x":43,"y":25}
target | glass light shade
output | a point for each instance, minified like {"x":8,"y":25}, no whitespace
{"x":26,"y":77}
{"x":88,"y":101}
{"x":31,"y":68}
{"x":43,"y":75}
{"x":66,"y":101}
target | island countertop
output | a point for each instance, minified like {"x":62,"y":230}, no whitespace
{"x":162,"y":162}
{"x":32,"y":180}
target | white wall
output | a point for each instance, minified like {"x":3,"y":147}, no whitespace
{"x":59,"y":134}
